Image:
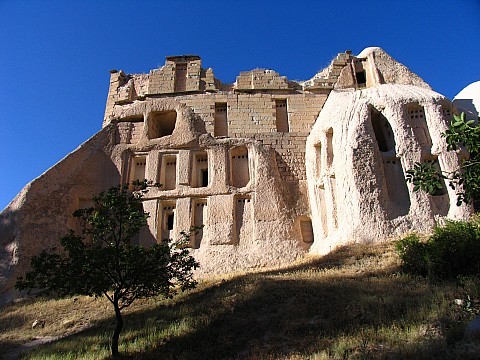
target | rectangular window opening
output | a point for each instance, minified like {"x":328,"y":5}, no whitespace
{"x":281,"y":116}
{"x":137,"y":169}
{"x":306,"y":230}
{"x":243,"y":216}
{"x":199,"y":217}
{"x":220,"y":125}
{"x":168,"y":172}
{"x":200,"y":169}
{"x":166,"y":229}
{"x":416,"y":114}
{"x":239,"y":167}
{"x":361,"y":78}
{"x":181,"y":77}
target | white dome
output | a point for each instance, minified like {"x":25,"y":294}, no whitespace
{"x":468,"y":100}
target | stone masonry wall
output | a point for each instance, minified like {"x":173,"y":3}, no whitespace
{"x":261,"y":79}
{"x":254,"y":116}
{"x":162,"y":80}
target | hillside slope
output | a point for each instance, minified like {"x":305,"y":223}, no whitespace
{"x":351,"y":304}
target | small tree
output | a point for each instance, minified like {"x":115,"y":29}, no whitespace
{"x":102,"y":261}
{"x":465,"y":180}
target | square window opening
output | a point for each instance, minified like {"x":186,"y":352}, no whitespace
{"x":161,"y":124}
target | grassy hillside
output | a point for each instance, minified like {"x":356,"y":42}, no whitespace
{"x":351,"y":304}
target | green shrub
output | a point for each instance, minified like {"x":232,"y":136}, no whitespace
{"x":452,"y":250}
{"x":413,"y":254}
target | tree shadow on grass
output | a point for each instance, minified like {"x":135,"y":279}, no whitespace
{"x":274,"y":314}
{"x":8,"y":346}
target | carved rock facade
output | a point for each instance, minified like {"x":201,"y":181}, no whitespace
{"x":272,"y":168}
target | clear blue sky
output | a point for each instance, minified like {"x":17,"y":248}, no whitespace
{"x":55,"y":55}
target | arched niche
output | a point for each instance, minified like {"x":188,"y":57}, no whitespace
{"x":383,"y":131}
{"x":390,"y":166}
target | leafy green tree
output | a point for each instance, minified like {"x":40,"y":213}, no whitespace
{"x":103,"y":261}
{"x":461,"y":135}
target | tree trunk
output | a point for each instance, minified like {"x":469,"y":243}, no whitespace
{"x":118,"y":327}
